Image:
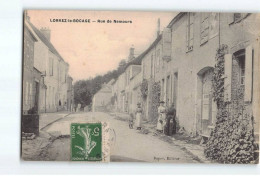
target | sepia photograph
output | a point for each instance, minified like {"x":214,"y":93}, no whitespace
{"x":140,"y":86}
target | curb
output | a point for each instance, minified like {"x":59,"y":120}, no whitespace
{"x":182,"y":147}
{"x":44,"y":127}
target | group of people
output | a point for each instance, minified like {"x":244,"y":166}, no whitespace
{"x":166,"y":122}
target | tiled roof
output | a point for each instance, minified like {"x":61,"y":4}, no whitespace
{"x":138,"y":60}
{"x":46,"y":41}
{"x":31,"y":32}
{"x":153,"y":44}
{"x":105,"y":88}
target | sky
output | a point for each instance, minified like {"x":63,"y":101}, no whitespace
{"x":95,"y":48}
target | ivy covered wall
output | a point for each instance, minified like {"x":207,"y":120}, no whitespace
{"x":232,"y":140}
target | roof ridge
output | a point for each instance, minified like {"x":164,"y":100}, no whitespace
{"x":46,"y":41}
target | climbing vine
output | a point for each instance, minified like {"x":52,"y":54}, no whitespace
{"x":218,"y":77}
{"x":155,"y":96}
{"x":232,"y":140}
{"x":144,"y":88}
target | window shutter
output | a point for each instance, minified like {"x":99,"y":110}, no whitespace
{"x":166,"y":40}
{"x":228,"y":76}
{"x":248,"y":74}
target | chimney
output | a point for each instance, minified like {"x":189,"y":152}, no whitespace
{"x":158,"y":27}
{"x":131,"y":53}
{"x":46,"y":32}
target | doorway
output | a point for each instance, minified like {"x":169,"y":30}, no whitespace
{"x":175,"y":89}
{"x":36,"y":98}
{"x":208,"y":106}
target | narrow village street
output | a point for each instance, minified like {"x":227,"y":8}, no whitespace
{"x":191,"y":98}
{"x":128,"y":142}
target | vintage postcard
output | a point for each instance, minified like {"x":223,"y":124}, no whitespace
{"x":126,"y":86}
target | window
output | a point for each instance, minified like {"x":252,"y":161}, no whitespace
{"x":175,"y":89}
{"x":143,"y":64}
{"x":168,"y":91}
{"x":49,"y":96}
{"x":189,"y":32}
{"x":51,"y":66}
{"x":240,"y":56}
{"x":204,"y":28}
{"x":162,"y":90}
{"x":242,"y":71}
{"x":53,"y":96}
{"x":128,"y":77}
{"x":158,"y":60}
{"x":151,"y":66}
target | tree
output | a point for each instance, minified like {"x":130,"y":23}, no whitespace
{"x":121,"y":66}
{"x":84,"y":90}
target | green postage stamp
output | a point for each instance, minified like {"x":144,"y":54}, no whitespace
{"x":88,"y":142}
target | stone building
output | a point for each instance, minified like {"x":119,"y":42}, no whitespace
{"x":102,"y":99}
{"x":154,"y":68}
{"x":32,"y":80}
{"x":151,"y":64}
{"x":54,"y":69}
{"x":135,"y":89}
{"x":121,"y":97}
{"x":193,"y":59}
{"x":124,"y":87}
{"x":114,"y":101}
{"x":131,"y":100}
{"x":181,"y":60}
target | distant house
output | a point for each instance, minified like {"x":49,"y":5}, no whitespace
{"x":102,"y":98}
{"x":135,"y":92}
{"x":152,"y":68}
{"x":130,"y":73}
{"x":122,"y":87}
{"x":121,"y":92}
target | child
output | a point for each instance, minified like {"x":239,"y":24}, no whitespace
{"x":131,"y":120}
{"x":161,"y":119}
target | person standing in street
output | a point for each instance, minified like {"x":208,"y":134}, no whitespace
{"x":161,"y":118}
{"x":131,"y":120}
{"x":170,"y":127}
{"x":138,"y":120}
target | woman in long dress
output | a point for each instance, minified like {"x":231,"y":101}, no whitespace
{"x":161,"y":118}
{"x":138,"y":120}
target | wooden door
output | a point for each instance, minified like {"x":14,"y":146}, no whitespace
{"x":206,"y":101}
